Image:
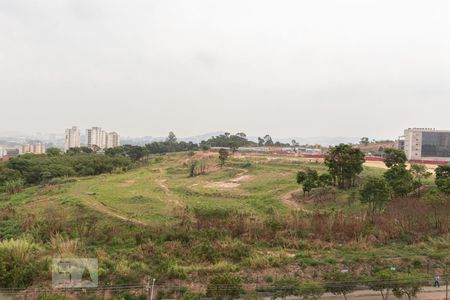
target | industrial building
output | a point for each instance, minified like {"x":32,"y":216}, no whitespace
{"x":426,"y":144}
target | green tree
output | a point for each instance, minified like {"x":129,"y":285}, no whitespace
{"x":394,"y":157}
{"x":53,"y":152}
{"x":171,"y":138}
{"x":79,"y":150}
{"x":310,"y":290}
{"x":374,"y":193}
{"x":285,"y":287}
{"x":409,"y":285}
{"x":443,"y":178}
{"x":260,"y":141}
{"x":223,"y":156}
{"x":226,"y":286}
{"x":340,"y":283}
{"x":344,"y":163}
{"x":364,"y":141}
{"x":436,"y":201}
{"x":135,"y":153}
{"x":308,"y":179}
{"x":419,"y":172}
{"x":382,"y":281}
{"x":325,"y":179}
{"x":268,"y":140}
{"x":399,"y":180}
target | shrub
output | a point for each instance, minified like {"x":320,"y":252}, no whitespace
{"x":18,"y":265}
{"x":226,"y":286}
{"x":14,"y":186}
{"x":310,"y":290}
{"x":285,"y":287}
{"x":9,"y":229}
{"x":205,"y":252}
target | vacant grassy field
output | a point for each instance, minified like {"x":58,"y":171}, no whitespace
{"x":248,"y":217}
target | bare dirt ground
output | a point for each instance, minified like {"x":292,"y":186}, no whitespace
{"x":126,"y":183}
{"x":381,"y":165}
{"x":199,"y":155}
{"x":373,"y":164}
{"x":232,"y":183}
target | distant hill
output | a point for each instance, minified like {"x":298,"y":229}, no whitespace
{"x":202,"y":137}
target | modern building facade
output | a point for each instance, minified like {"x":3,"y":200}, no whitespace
{"x":72,"y":138}
{"x":426,"y":144}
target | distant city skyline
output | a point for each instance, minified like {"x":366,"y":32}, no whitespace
{"x":295,"y":68}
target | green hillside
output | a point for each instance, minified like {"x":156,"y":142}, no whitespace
{"x":248,"y":217}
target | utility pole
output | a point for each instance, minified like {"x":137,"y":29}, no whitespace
{"x":153,"y":286}
{"x":446,"y":286}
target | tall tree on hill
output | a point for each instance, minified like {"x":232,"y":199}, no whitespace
{"x":364,"y":141}
{"x":171,"y":142}
{"x":171,"y":138}
{"x":260,"y":141}
{"x":344,"y":163}
{"x":268,"y":140}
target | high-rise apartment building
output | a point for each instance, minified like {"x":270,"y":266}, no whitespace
{"x":96,"y":137}
{"x":426,"y":144}
{"x":72,"y":138}
{"x":112,"y":140}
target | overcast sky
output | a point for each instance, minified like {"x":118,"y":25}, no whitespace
{"x":288,"y":68}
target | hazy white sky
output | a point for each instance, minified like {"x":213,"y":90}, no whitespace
{"x":288,"y":68}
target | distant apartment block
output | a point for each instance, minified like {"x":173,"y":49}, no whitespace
{"x":72,"y":138}
{"x":426,"y":144}
{"x":112,"y":140}
{"x":97,"y":137}
{"x":3,"y":152}
{"x":36,"y":148}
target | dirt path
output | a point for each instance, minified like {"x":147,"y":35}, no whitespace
{"x":163,"y":185}
{"x":101,"y":207}
{"x":231,"y":183}
{"x":289,"y":201}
